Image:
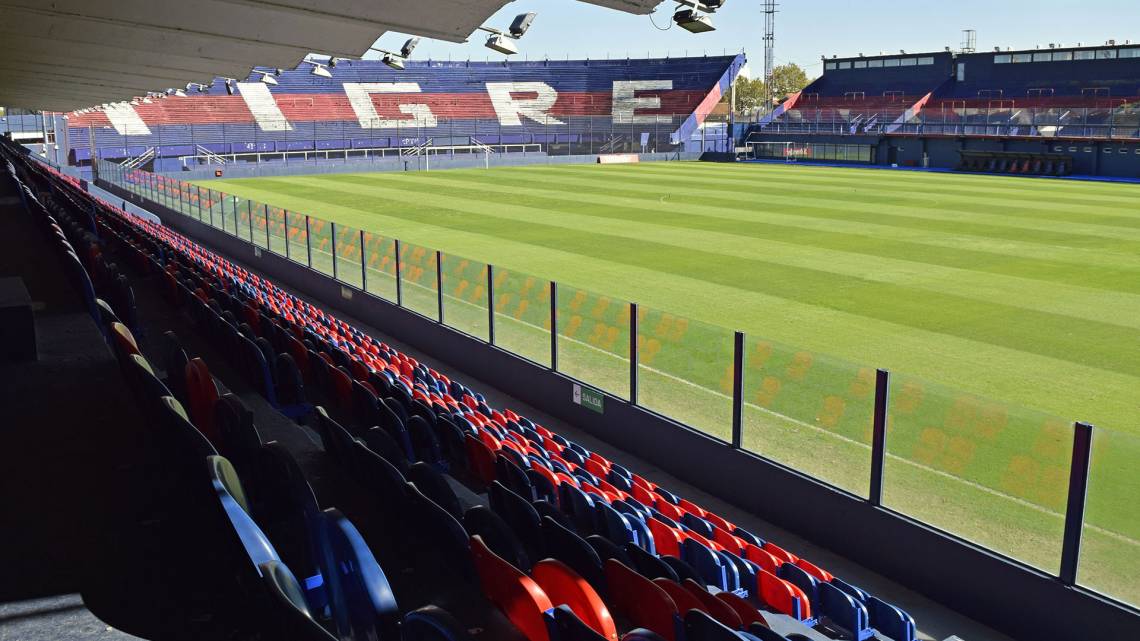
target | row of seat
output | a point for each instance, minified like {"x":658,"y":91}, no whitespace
{"x":239,"y":582}
{"x":556,"y":471}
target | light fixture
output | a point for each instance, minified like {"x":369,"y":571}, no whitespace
{"x":268,"y":79}
{"x":692,"y":15}
{"x":397,"y":60}
{"x":230,"y":89}
{"x":197,"y":86}
{"x":503,"y":41}
{"x":319,"y":69}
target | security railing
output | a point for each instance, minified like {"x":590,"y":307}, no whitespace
{"x":1029,"y":485}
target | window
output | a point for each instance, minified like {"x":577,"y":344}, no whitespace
{"x":860,"y":64}
{"x":1084,"y":55}
{"x":1062,"y":56}
{"x":926,"y":61}
{"x":1003,"y":59}
{"x":1072,"y":150}
{"x":1123,"y":151}
{"x":891,"y":62}
{"x":908,"y":62}
{"x":1088,"y":150}
{"x":1043,"y":57}
{"x":875,"y":64}
{"x":1106,"y":54}
{"x":1058,"y":149}
{"x":1130,"y":53}
{"x":845,"y":65}
{"x":1107,"y":150}
{"x":1022,"y":57}
{"x":829,"y":66}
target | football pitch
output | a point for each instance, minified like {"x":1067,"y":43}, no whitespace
{"x":1005,"y":309}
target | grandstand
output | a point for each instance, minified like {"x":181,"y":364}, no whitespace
{"x":366,"y":111}
{"x":235,"y":420}
{"x":1080,"y":102}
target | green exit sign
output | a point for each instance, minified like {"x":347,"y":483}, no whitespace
{"x":590,"y":399}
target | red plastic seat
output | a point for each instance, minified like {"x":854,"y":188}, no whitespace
{"x":201,"y":396}
{"x":480,"y":460}
{"x":516,"y":594}
{"x":124,"y":340}
{"x":691,"y":508}
{"x":564,"y":587}
{"x":666,"y":539}
{"x":762,"y":558}
{"x":783,"y":597}
{"x":782,"y":555}
{"x":730,"y":542}
{"x":645,"y":604}
{"x":816,"y":571}
{"x":716,"y":608}
{"x":719,"y":522}
{"x":746,"y":611}
{"x":682,"y":598}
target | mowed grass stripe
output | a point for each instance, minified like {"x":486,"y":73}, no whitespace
{"x":1023,"y":188}
{"x":997,"y":207}
{"x":1079,"y":341}
{"x":622,"y":205}
{"x":971,"y":217}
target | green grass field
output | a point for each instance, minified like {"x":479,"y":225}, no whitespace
{"x":1005,"y":308}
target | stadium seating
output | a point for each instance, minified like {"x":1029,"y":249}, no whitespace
{"x":568,"y":503}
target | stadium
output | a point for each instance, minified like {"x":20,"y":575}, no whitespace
{"x":307,"y":338}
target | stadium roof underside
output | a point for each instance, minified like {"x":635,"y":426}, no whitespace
{"x":69,"y":54}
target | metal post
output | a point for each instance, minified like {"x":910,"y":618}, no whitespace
{"x":199,"y":190}
{"x":491,"y":304}
{"x":1075,"y":510}
{"x":439,"y":282}
{"x":633,"y":353}
{"x":265,"y":213}
{"x":399,"y":283}
{"x":308,"y":243}
{"x":738,"y":389}
{"x":285,"y":219}
{"x":363,"y":264}
{"x":332,"y":227}
{"x":553,"y":326}
{"x":249,"y":219}
{"x":879,"y":435}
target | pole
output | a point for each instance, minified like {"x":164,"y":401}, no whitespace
{"x":1075,"y":508}
{"x":879,"y":435}
{"x":633,"y":353}
{"x":738,"y":389}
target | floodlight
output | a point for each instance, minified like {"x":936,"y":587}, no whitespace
{"x":319,"y":70}
{"x":503,"y":41}
{"x":230,"y":87}
{"x":394,"y":62}
{"x":268,"y":79}
{"x":520,"y":24}
{"x":409,"y":47}
{"x":693,"y":21}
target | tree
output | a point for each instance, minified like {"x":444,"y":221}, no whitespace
{"x":787,"y":79}
{"x":750,"y":94}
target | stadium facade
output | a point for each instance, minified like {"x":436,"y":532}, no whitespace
{"x":924,"y":109}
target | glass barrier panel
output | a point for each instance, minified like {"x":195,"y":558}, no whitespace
{"x":230,"y":207}
{"x":465,"y":295}
{"x":297,"y":237}
{"x":417,"y":279}
{"x":242,"y":222}
{"x":321,"y":245}
{"x":277,"y":231}
{"x":807,"y":411}
{"x":681,"y":370}
{"x":993,"y":473}
{"x":1110,"y":545}
{"x":593,"y":339}
{"x":260,"y":224}
{"x":380,"y":271}
{"x":522,"y":314}
{"x":348,"y":255}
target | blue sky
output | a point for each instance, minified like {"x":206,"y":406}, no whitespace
{"x":805,"y":29}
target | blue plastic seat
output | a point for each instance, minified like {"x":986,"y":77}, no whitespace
{"x":434,"y":485}
{"x":497,"y":535}
{"x":649,"y":565}
{"x":699,"y":626}
{"x":564,"y":625}
{"x":362,"y":603}
{"x":288,"y":614}
{"x":683,"y":570}
{"x":431,"y":623}
{"x":706,"y":562}
{"x":698,"y":525}
{"x":380,"y":441}
{"x":579,"y":506}
{"x":802,"y":580}
{"x":842,"y":610}
{"x":513,"y":477}
{"x":520,"y":515}
{"x":566,"y":546}
{"x":764,"y":633}
{"x":890,"y":620}
{"x":613,"y":524}
{"x":544,"y":490}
